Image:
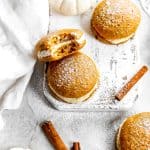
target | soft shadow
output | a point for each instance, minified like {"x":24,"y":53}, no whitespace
{"x":36,"y":82}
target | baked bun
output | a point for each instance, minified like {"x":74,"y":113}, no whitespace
{"x":134,"y":133}
{"x":115,"y":21}
{"x":73,"y":78}
{"x":59,"y":44}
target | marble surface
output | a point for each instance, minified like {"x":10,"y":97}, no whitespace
{"x":95,"y":130}
{"x":109,"y":59}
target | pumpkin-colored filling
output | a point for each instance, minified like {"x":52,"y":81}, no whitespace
{"x":62,"y":38}
{"x":67,"y":49}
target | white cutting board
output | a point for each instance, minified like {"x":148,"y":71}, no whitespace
{"x":116,"y":63}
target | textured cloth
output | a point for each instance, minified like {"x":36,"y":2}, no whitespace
{"x":22,"y":23}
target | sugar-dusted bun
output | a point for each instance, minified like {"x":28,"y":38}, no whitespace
{"x":134,"y":133}
{"x":59,"y":44}
{"x":115,"y":21}
{"x":73,"y":78}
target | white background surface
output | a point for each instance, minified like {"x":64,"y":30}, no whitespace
{"x":95,"y":130}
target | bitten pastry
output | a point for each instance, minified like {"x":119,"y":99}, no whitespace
{"x":115,"y":21}
{"x":59,"y":44}
{"x":134,"y":133}
{"x":73,"y":78}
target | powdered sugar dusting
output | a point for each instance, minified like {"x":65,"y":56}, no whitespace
{"x":69,"y":68}
{"x":117,"y":13}
{"x":74,"y":75}
{"x":113,"y":7}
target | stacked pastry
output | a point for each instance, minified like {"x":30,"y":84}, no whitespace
{"x":71,"y":75}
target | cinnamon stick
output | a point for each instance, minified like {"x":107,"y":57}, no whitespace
{"x":76,"y":146}
{"x":53,"y":136}
{"x":126,"y":88}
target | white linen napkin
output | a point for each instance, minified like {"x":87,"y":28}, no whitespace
{"x":22,"y":23}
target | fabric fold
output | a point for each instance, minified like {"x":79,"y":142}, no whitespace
{"x":22,"y":23}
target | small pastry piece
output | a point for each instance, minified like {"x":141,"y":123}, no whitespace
{"x":72,"y":7}
{"x":134,"y":133}
{"x":73,"y":78}
{"x":115,"y":21}
{"x":59,"y":44}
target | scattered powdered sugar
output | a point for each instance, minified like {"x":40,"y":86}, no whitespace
{"x":116,"y":64}
{"x":119,"y":7}
{"x":116,"y":12}
{"x":72,"y":71}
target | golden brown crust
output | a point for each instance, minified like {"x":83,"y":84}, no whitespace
{"x":134,"y":134}
{"x":115,"y":19}
{"x":59,"y":44}
{"x":73,"y":76}
{"x":114,"y":42}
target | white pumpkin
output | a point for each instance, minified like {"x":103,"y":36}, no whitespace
{"x":72,"y":7}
